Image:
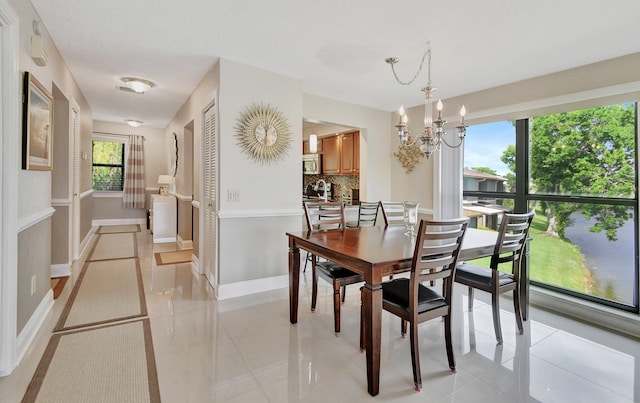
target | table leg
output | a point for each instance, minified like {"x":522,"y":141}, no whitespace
{"x":372,"y":299}
{"x":294,"y":281}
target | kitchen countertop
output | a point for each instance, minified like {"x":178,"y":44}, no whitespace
{"x":347,"y":203}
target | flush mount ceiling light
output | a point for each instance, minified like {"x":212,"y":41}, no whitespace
{"x":133,"y":123}
{"x":137,"y":84}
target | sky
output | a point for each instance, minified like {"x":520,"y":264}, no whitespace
{"x":484,"y":145}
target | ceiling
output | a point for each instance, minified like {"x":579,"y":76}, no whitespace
{"x":336,"y":48}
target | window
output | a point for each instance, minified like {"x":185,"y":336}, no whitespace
{"x":108,"y":165}
{"x":577,"y":169}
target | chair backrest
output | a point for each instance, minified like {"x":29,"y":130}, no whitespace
{"x":324,"y":215}
{"x":368,"y":213}
{"x":436,"y":253}
{"x":512,"y":238}
{"x":393,"y":213}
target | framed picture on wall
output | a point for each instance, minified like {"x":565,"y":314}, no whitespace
{"x":37,"y":125}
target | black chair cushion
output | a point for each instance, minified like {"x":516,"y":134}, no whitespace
{"x":397,"y":292}
{"x":334,"y":270}
{"x":467,"y":272}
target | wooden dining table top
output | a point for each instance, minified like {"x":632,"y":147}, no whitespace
{"x":382,"y":247}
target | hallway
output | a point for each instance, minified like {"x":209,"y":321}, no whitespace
{"x":245,"y":350}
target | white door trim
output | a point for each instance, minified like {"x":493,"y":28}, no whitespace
{"x":9,"y":172}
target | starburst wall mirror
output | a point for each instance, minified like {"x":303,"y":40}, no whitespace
{"x":263,"y":133}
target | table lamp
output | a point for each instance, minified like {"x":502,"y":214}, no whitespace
{"x":163,"y":182}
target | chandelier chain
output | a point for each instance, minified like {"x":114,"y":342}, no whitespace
{"x":427,"y":55}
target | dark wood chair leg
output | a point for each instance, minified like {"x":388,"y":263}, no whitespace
{"x":495,"y":307}
{"x":516,"y":309}
{"x":403,"y":328}
{"x":344,"y":293}
{"x":336,"y":308}
{"x":448,"y":343}
{"x":470,"y":301}
{"x":314,"y":287}
{"x":362,"y":325}
{"x":415,"y":356}
{"x":306,"y":260}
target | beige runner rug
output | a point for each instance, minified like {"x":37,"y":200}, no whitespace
{"x":181,"y":256}
{"x":114,"y":229}
{"x":106,"y":291}
{"x":114,"y":246}
{"x":112,"y":363}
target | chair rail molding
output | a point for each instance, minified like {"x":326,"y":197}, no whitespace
{"x":33,"y":219}
{"x":259,"y":213}
{"x":86,"y":193}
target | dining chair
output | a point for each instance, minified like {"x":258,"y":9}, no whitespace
{"x":512,"y":239}
{"x":392,"y":212}
{"x":329,"y":216}
{"x":367,"y":215}
{"x":435,"y":256}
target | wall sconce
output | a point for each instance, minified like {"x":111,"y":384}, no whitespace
{"x":163,"y":182}
{"x":313,"y":143}
{"x":38,"y":54}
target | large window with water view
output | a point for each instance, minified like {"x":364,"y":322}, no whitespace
{"x":580,"y":178}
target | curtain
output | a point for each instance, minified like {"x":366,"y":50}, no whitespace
{"x":133,"y":195}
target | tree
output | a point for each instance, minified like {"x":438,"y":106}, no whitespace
{"x":509,"y":158}
{"x":485,"y":170}
{"x":589,"y":152}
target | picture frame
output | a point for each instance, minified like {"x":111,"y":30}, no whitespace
{"x":37,"y":125}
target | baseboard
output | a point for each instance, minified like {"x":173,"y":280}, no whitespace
{"x":184,"y":244}
{"x":242,"y":288}
{"x":33,"y":325}
{"x":165,"y":239}
{"x":120,"y":221}
{"x":195,"y":265}
{"x":60,"y":270}
{"x":84,"y":245}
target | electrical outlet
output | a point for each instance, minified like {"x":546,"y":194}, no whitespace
{"x":233,"y":195}
{"x":33,"y":284}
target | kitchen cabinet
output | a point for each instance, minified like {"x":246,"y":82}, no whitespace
{"x":331,"y":155}
{"x":341,"y":154}
{"x":164,"y":219}
{"x":349,"y":153}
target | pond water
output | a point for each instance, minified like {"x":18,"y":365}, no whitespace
{"x":611,"y":262}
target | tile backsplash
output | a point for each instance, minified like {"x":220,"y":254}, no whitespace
{"x":342,"y":185}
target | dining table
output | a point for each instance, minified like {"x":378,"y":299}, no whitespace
{"x":375,"y":252}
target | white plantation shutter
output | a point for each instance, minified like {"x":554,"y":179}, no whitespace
{"x":209,"y":193}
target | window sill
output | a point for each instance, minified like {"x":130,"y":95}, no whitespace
{"x":627,"y":323}
{"x":104,"y":194}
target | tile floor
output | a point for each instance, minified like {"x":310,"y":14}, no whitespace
{"x":245,"y":350}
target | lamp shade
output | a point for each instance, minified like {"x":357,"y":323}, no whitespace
{"x":166,"y":180}
{"x":313,"y":143}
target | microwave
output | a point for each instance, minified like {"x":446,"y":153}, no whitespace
{"x":311,"y":164}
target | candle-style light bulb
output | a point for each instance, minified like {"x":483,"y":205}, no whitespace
{"x":439,"y":106}
{"x":404,"y":118}
{"x":463,"y":112}
{"x":401,"y":111}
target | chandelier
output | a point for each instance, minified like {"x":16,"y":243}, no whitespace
{"x":431,"y":137}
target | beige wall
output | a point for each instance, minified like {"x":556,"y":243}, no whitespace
{"x":184,"y":220}
{"x":86,"y":216}
{"x":35,"y":187}
{"x":60,"y":236}
{"x":34,"y":259}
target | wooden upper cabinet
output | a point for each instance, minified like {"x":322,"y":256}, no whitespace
{"x":347,"y":157}
{"x":331,"y":155}
{"x":341,"y":154}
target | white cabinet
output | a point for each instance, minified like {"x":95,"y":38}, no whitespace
{"x":164,"y":220}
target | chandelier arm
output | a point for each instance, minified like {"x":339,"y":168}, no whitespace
{"x":449,"y":145}
{"x":415,"y":76}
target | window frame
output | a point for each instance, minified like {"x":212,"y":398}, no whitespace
{"x":111,"y":138}
{"x":522,"y":198}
